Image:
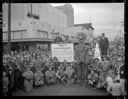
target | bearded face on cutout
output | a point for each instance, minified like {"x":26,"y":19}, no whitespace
{"x":81,"y":36}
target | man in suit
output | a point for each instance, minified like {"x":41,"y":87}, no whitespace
{"x":103,"y":44}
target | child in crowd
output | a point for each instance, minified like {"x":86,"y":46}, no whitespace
{"x":60,"y":74}
{"x":69,"y":74}
{"x":56,"y":63}
{"x":5,"y":83}
{"x":93,"y":78}
{"x":50,"y":76}
{"x":28,"y":81}
{"x":109,"y":78}
{"x":101,"y":81}
{"x":114,"y":88}
{"x":94,"y":65}
{"x":122,"y":77}
{"x":38,"y":76}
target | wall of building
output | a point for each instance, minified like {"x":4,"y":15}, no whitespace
{"x":18,"y":11}
{"x":69,"y":11}
{"x":50,"y":18}
{"x":46,"y":12}
{"x":72,"y":31}
{"x":50,"y":15}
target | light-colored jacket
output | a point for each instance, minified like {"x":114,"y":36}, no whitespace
{"x":114,"y":89}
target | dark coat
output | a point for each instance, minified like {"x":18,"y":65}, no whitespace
{"x":104,"y":43}
{"x":121,"y":72}
{"x":16,"y":78}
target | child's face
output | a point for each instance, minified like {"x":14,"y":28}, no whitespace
{"x":28,"y":69}
{"x":116,"y":57}
{"x":111,"y":59}
{"x":4,"y":74}
{"x":105,"y":59}
{"x":120,"y":63}
{"x":92,"y":72}
{"x":61,"y":69}
{"x":50,"y":69}
{"x":96,"y":60}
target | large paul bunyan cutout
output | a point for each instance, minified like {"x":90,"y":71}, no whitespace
{"x":81,"y":56}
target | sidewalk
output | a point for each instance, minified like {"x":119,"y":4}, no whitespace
{"x":62,"y":90}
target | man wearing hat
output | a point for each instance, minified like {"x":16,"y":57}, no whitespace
{"x":103,"y":44}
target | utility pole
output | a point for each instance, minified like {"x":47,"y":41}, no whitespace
{"x":31,"y":11}
{"x":9,"y":28}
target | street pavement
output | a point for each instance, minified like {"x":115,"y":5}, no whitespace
{"x":62,"y":90}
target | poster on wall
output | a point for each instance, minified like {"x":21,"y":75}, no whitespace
{"x":63,"y":52}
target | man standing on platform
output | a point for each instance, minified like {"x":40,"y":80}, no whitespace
{"x":81,"y":57}
{"x":103,"y":44}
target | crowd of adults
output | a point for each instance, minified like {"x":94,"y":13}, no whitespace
{"x":29,"y":69}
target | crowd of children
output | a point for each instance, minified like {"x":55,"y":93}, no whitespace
{"x":29,"y":69}
{"x":105,"y":73}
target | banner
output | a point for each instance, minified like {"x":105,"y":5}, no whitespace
{"x":63,"y":52}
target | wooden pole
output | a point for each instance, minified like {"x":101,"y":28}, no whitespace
{"x":9,"y":28}
{"x":31,"y":11}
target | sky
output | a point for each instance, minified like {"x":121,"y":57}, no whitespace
{"x":105,"y":17}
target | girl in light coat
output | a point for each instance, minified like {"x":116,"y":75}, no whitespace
{"x":28,"y":81}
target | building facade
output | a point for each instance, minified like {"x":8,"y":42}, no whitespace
{"x":73,"y":31}
{"x":36,"y":25}
{"x":68,"y":9}
{"x":47,"y":13}
{"x":28,"y":31}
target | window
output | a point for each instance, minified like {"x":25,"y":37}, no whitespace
{"x":46,"y":35}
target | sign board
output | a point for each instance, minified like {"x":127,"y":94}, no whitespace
{"x":63,"y":52}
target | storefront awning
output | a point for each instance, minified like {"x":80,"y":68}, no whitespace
{"x":30,"y":40}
